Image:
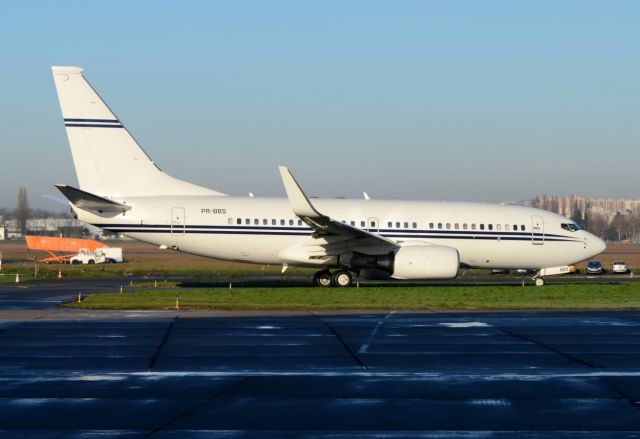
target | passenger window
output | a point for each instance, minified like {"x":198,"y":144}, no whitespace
{"x":457,"y":226}
{"x":481,"y":226}
{"x":415,"y":225}
{"x":239,"y":221}
{"x":290,"y":222}
{"x":431,"y":225}
{"x":406,"y":225}
{"x":523,"y":228}
{"x":362,"y":224}
{"x":506,"y":227}
{"x":448,"y":226}
{"x":230,"y":221}
{"x":299,"y":222}
{"x":440,"y":225}
{"x":273,"y":222}
{"x":256,"y":221}
{"x":265,"y":221}
{"x":389,"y":224}
{"x":473,"y":226}
{"x":498,"y":227}
{"x":247,"y":221}
{"x":464,"y":226}
{"x":490,"y":226}
{"x":353,"y":223}
{"x":282,"y":222}
{"x":373,"y":224}
{"x":397,"y":224}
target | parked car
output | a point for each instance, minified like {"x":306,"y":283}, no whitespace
{"x":619,"y":267}
{"x":595,"y":267}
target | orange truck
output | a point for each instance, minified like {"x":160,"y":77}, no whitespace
{"x":61,"y":250}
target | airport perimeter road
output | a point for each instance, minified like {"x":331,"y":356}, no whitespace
{"x":393,"y":375}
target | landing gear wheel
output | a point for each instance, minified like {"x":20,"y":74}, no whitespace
{"x":322,"y":279}
{"x":539,"y":281}
{"x":341,"y":278}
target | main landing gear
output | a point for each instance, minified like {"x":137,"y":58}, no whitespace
{"x":339,"y":278}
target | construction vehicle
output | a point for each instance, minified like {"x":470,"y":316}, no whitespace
{"x":106,"y":255}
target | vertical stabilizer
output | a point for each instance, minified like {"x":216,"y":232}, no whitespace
{"x":108,"y":160}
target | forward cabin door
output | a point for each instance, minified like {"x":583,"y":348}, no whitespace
{"x":177,"y":221}
{"x":537,"y":230}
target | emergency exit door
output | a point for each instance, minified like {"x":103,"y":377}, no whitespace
{"x":177,"y":221}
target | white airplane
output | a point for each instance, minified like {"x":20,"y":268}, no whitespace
{"x":123,"y":191}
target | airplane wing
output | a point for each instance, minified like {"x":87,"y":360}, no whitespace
{"x":324,"y":226}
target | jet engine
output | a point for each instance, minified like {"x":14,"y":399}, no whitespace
{"x":412,"y":262}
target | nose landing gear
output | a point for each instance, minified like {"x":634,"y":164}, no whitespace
{"x":339,"y":278}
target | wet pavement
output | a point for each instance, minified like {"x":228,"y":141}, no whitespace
{"x":82,"y":373}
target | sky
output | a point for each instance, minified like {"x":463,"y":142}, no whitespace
{"x":450,"y":100}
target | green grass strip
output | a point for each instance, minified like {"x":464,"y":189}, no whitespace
{"x":434,"y":297}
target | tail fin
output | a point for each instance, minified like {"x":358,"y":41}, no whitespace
{"x":108,"y":160}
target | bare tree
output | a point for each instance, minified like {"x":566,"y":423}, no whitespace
{"x":22,"y":210}
{"x":597,"y":224}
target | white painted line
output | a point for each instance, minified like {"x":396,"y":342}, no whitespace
{"x":466,"y":325}
{"x":365,"y":347}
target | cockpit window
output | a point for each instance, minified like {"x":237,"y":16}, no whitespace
{"x":572,"y":227}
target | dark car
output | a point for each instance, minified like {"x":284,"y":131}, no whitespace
{"x":595,"y":267}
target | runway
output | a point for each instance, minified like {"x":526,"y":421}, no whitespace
{"x":76,"y":373}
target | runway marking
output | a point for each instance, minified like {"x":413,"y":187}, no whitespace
{"x":445,"y":376}
{"x":365,"y":347}
{"x":466,"y":325}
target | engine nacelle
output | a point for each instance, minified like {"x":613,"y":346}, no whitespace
{"x":412,"y":262}
{"x":426,"y":262}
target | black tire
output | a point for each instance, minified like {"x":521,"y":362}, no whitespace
{"x":341,"y":279}
{"x":91,"y":262}
{"x":322,"y":279}
{"x":110,"y":261}
{"x":75,"y":262}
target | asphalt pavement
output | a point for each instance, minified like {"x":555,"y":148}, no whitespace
{"x":82,"y":373}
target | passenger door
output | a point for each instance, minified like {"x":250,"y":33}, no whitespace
{"x":177,"y":221}
{"x":537,"y":230}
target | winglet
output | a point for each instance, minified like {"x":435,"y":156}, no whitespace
{"x":300,"y":204}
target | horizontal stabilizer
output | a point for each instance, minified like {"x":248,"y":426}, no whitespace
{"x":87,"y":201}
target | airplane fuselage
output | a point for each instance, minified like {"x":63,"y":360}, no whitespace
{"x":261,"y":230}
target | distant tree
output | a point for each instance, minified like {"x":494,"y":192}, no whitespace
{"x":597,"y":224}
{"x":577,"y":217}
{"x":22,"y":210}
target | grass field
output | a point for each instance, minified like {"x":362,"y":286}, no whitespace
{"x":434,"y":297}
{"x":141,"y":260}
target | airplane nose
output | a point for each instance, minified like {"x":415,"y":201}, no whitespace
{"x":595,"y":245}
